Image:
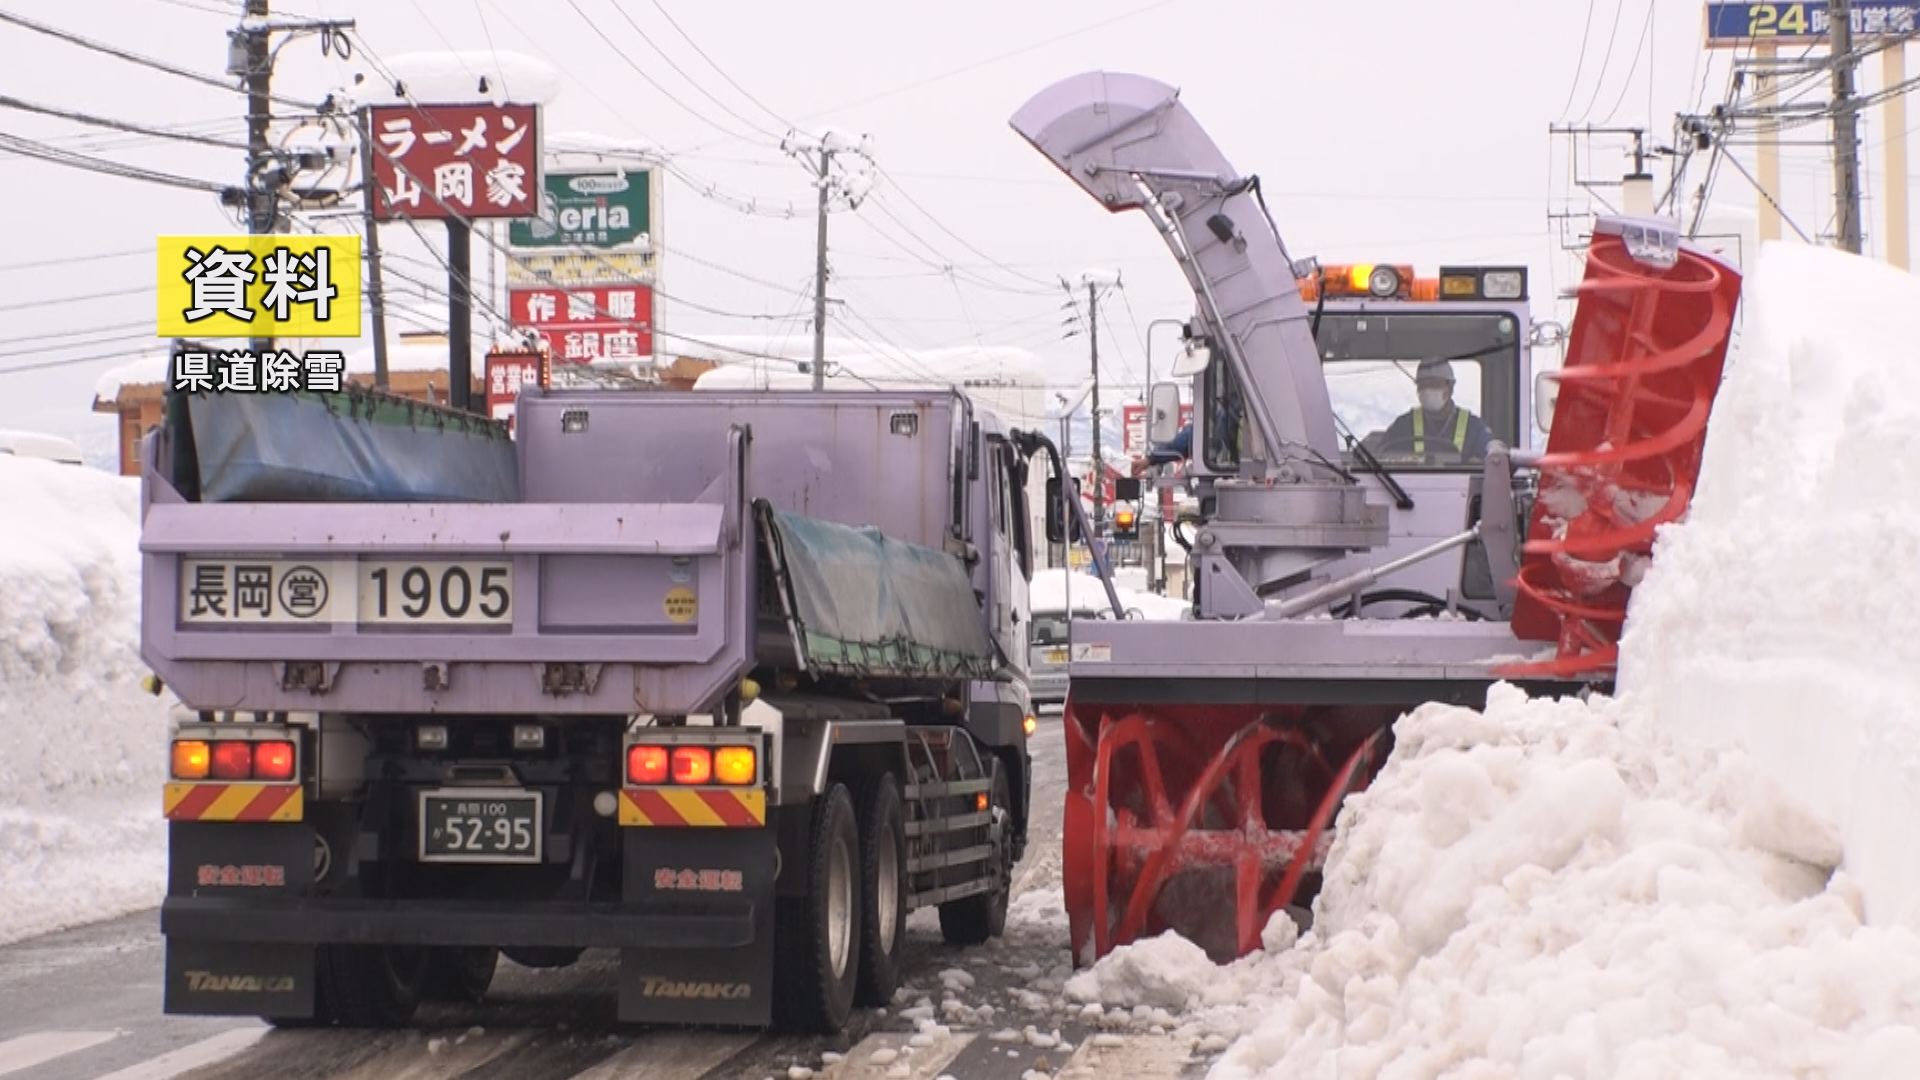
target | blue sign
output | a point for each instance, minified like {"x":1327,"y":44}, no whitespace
{"x":1804,"y":21}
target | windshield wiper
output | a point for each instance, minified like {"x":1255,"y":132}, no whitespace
{"x":1359,"y":449}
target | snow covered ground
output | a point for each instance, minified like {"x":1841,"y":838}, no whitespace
{"x":1711,"y":876}
{"x":81,"y":744}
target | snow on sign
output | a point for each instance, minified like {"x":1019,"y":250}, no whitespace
{"x":442,"y":161}
{"x":585,"y":323}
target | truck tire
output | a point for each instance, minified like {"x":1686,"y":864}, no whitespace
{"x":883,"y":884}
{"x":817,"y":938}
{"x":971,"y":920}
{"x":548,"y":956}
{"x":460,"y":974}
{"x":374,"y":986}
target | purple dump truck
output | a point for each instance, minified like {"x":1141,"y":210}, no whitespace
{"x":727,"y":682}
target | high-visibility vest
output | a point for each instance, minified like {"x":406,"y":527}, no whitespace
{"x":1420,"y":430}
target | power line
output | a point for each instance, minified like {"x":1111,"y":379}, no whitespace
{"x":695,"y":83}
{"x":118,"y":125}
{"x":941,"y":225}
{"x":70,"y":259}
{"x":650,"y":80}
{"x":1605,"y":60}
{"x":136,"y":58}
{"x":716,"y":67}
{"x":1579,"y":66}
{"x":57,"y":156}
{"x":1626,"y":84}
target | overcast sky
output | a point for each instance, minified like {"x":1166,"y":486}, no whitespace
{"x":1402,"y":130}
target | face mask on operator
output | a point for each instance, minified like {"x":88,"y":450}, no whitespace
{"x":1433,"y":398}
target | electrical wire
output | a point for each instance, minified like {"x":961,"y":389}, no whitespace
{"x":664,"y":13}
{"x":1580,"y":65}
{"x":138,"y":58}
{"x":691,"y":81}
{"x":651,"y":81}
{"x":1605,"y":61}
{"x":57,"y":156}
{"x":117,"y":125}
{"x":1626,"y":84}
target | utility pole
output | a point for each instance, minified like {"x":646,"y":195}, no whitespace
{"x":820,"y":276}
{"x":1093,"y":340}
{"x":460,"y":313}
{"x":262,"y":196}
{"x":376,"y":293}
{"x":1846,"y":135}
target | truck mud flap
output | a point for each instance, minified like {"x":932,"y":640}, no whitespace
{"x":238,"y":862}
{"x":211,"y":978}
{"x":709,"y":870}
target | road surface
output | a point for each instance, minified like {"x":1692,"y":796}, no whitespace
{"x":85,"y":1004}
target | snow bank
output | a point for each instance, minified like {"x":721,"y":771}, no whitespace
{"x":1784,"y":617}
{"x":81,"y":744}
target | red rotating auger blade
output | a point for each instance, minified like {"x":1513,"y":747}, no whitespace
{"x":1204,"y":820}
{"x":1643,"y":363}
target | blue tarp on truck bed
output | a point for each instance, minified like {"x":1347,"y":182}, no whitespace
{"x":347,"y":447}
{"x":861,"y":603}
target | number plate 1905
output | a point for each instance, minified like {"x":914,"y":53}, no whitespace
{"x":480,"y":825}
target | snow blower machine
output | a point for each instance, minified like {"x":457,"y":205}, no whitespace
{"x":1370,"y":535}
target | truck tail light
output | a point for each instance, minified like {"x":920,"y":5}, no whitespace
{"x":232,"y":760}
{"x":692,"y":765}
{"x":734,"y":765}
{"x":273,"y":761}
{"x":190,"y":759}
{"x":646,"y":764}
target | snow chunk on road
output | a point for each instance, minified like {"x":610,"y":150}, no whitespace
{"x":1160,"y":970}
{"x":82,"y":746}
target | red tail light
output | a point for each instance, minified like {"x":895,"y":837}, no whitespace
{"x":692,"y":765}
{"x":273,"y":761}
{"x":232,"y":760}
{"x":646,"y":764}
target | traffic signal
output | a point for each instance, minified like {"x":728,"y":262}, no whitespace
{"x":1126,"y":522}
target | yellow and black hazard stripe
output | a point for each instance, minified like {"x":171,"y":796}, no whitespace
{"x":722,"y":808}
{"x":234,"y":802}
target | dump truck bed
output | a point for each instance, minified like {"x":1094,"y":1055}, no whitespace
{"x":627,"y":577}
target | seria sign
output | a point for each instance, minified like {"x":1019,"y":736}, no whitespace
{"x":599,"y":209}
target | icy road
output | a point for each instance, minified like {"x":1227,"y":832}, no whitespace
{"x":86,"y":1003}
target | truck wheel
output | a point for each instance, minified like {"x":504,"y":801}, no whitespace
{"x":971,"y":920}
{"x":883,"y":881}
{"x":460,"y":974}
{"x":817,"y":940}
{"x":374,"y":986}
{"x":550,"y":956}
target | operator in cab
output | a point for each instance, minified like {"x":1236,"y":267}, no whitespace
{"x":1437,"y":425}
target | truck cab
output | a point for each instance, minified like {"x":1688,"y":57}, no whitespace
{"x":1378,"y":327}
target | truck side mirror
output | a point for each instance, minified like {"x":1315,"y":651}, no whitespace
{"x":1057,"y":520}
{"x":1546,"y":395}
{"x":1163,"y":412}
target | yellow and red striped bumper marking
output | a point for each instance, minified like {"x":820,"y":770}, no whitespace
{"x":694,"y":807}
{"x":234,"y":802}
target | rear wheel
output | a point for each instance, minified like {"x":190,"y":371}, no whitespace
{"x":460,"y":974}
{"x":883,"y":915}
{"x":817,"y":941}
{"x":374,"y":985}
{"x":971,"y":920}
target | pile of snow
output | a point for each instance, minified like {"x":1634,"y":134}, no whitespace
{"x":1707,"y":877}
{"x":1784,"y":618}
{"x":457,"y":76}
{"x":1053,"y":587}
{"x":82,"y":745}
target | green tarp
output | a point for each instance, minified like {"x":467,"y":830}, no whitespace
{"x":862,"y":603}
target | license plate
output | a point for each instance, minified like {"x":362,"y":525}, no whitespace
{"x":1056,"y":656}
{"x":480,"y":825}
{"x":371,"y":592}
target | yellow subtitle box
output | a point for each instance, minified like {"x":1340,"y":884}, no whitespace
{"x":259,"y":286}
